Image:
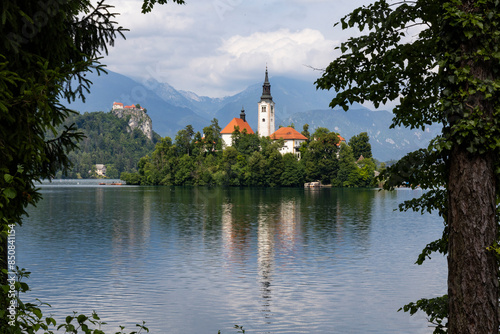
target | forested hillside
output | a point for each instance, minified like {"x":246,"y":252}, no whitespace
{"x":109,"y":141}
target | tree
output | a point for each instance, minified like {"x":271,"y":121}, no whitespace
{"x":360,"y":145}
{"x":44,"y":48}
{"x":198,"y":144}
{"x":256,"y":170}
{"x":183,"y":140}
{"x":147,"y":5}
{"x":213,"y":141}
{"x":366,"y":173}
{"x":320,"y":158}
{"x":247,"y":143}
{"x":319,"y":132}
{"x":236,"y":135}
{"x":445,"y":70}
{"x":274,"y":169}
{"x":47,"y":47}
{"x":183,"y":171}
{"x":293,"y":173}
{"x":348,"y":174}
{"x":229,"y":161}
{"x":305,"y":131}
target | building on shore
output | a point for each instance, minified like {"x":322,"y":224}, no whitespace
{"x":235,"y":124}
{"x":266,"y":117}
{"x":293,"y":139}
{"x":266,"y":124}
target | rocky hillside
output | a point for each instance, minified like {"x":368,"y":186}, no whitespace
{"x":115,"y":142}
{"x":137,"y":119}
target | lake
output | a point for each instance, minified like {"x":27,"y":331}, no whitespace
{"x":199,"y":260}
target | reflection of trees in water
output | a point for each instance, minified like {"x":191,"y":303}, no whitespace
{"x":131,"y":229}
{"x":273,"y":225}
{"x":287,"y":220}
{"x":261,"y":218}
{"x":278,"y":233}
{"x":236,"y":236}
{"x":342,"y":214}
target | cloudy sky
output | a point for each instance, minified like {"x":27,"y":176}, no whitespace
{"x":219,"y":47}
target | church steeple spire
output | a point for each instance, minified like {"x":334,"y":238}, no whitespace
{"x":266,"y":89}
{"x":242,"y":114}
{"x":266,"y":110}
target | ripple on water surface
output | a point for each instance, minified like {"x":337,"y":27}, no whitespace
{"x":190,"y":260}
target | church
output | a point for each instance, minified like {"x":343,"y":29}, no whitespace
{"x":266,"y":128}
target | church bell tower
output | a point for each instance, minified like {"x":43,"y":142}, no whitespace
{"x":266,"y":110}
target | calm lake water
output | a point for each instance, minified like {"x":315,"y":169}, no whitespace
{"x":199,"y":260}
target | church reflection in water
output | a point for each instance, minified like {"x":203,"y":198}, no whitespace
{"x":265,"y":259}
{"x":266,"y":226}
{"x":272,"y":233}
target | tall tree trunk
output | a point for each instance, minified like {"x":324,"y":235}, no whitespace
{"x":472,"y":269}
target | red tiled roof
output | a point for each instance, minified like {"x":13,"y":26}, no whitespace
{"x":288,"y":133}
{"x":237,"y":122}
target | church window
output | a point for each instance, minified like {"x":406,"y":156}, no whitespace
{"x":263,"y":120}
{"x":263,"y":108}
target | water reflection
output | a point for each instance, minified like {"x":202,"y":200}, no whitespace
{"x":323,"y":224}
{"x":265,"y":259}
{"x":191,"y":260}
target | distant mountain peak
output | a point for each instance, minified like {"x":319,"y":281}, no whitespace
{"x":190,"y":95}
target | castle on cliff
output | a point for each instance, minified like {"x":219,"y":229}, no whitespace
{"x":138,"y":118}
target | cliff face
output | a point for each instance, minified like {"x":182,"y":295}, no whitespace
{"x":138,"y":119}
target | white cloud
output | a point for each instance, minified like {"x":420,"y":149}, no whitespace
{"x":285,"y":52}
{"x":171,"y":18}
{"x":219,"y":47}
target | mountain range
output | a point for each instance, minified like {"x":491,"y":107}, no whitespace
{"x":297,"y":102}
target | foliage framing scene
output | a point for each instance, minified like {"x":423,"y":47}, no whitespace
{"x":438,"y":59}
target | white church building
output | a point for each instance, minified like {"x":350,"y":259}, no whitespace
{"x":293,"y":139}
{"x":236,"y":123}
{"x":266,"y":124}
{"x":266,"y":110}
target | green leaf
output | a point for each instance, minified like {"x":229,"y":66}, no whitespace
{"x":10,"y":193}
{"x":8,"y":178}
{"x":82,"y":318}
{"x":37,"y":312}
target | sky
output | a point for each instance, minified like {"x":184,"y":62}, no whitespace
{"x":217,"y":48}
